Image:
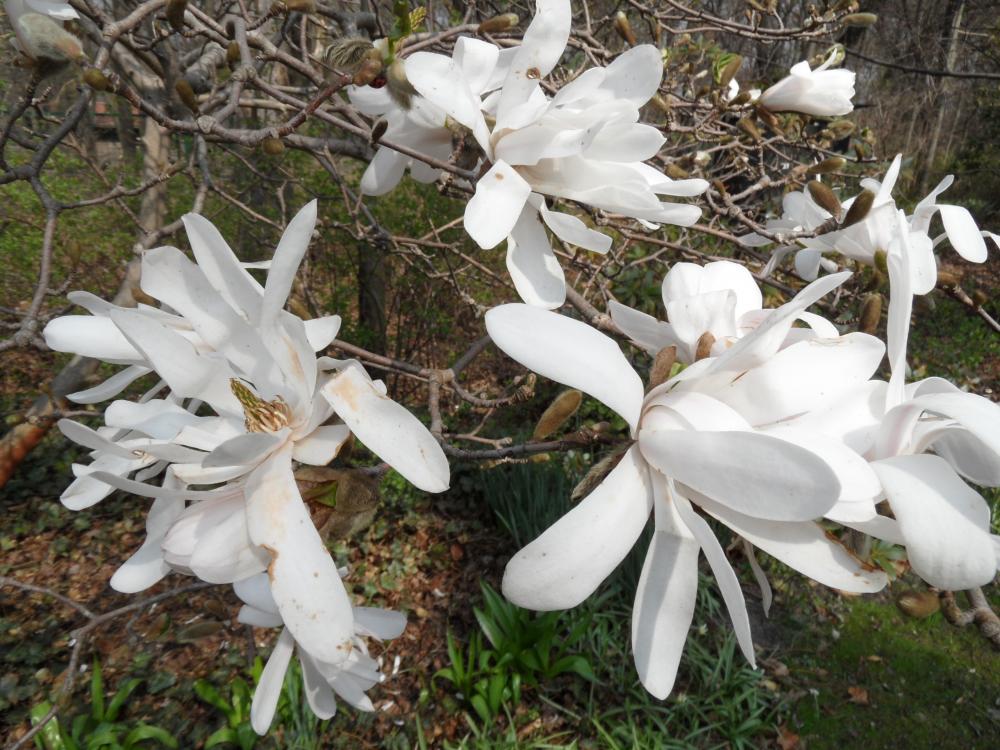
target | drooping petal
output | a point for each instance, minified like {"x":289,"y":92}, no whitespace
{"x":664,"y":600}
{"x":383,"y":624}
{"x":110,"y":387}
{"x":319,"y":694}
{"x":564,"y":565}
{"x":497,"y":205}
{"x":568,"y":352}
{"x":572,"y":230}
{"x":304,"y":579}
{"x":944,"y":522}
{"x":265,"y":697}
{"x":644,"y":330}
{"x":532,"y":265}
{"x":248,"y":449}
{"x":963,"y":234}
{"x":388,"y":429}
{"x":147,"y":566}
{"x":322,"y":445}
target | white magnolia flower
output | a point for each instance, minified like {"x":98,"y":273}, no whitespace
{"x":37,"y":25}
{"x":712,"y":437}
{"x":423,"y":126}
{"x":922,"y":439}
{"x":583,"y":144}
{"x":323,"y":681}
{"x":865,"y":240}
{"x":720,"y":298}
{"x":820,"y":92}
{"x":231,"y":346}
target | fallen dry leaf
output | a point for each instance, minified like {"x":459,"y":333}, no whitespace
{"x":858,"y":695}
{"x":787,"y":739}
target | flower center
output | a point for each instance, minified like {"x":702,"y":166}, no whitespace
{"x":260,"y":415}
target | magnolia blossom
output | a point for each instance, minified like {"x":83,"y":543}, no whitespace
{"x":820,"y":92}
{"x":713,"y":437}
{"x":720,"y":299}
{"x":872,"y":236}
{"x":422,"y":126}
{"x":323,"y":681}
{"x":583,"y":144}
{"x":230,"y":346}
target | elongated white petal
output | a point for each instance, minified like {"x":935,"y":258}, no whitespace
{"x":265,"y":697}
{"x":304,"y":579}
{"x":90,"y":336}
{"x":147,"y":566}
{"x":644,"y":330}
{"x":322,"y":445}
{"x":88,"y":438}
{"x":664,"y":600}
{"x":532,"y":265}
{"x":319,"y":694}
{"x":563,"y":566}
{"x":384,"y":171}
{"x":221,"y":266}
{"x":383,"y":624}
{"x":945,"y":523}
{"x":497,"y":205}
{"x":725,"y":576}
{"x":568,"y":352}
{"x":572,"y":230}
{"x":256,"y":591}
{"x":963,"y":234}
{"x":804,"y":546}
{"x":388,"y":429}
{"x":246,"y":449}
{"x":321,"y":331}
{"x":257,"y":618}
{"x":285,"y":264}
{"x":753,"y":473}
{"x":442,"y":82}
{"x":978,"y":415}
{"x":110,"y":387}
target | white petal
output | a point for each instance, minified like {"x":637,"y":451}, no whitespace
{"x":321,"y":331}
{"x":90,"y":336}
{"x":256,"y":591}
{"x":322,"y":445}
{"x":285,"y":263}
{"x":963,"y":234}
{"x":532,"y":265}
{"x":383,"y":624}
{"x":477,"y":59}
{"x":304,"y":579}
{"x":265,"y":697}
{"x":753,"y":473}
{"x":384,"y":171}
{"x":388,"y":430}
{"x":635,"y":74}
{"x":563,"y":566}
{"x":88,"y":438}
{"x":247,"y":449}
{"x":642,"y":329}
{"x":573,"y":231}
{"x":110,"y":387}
{"x":495,"y":208}
{"x":569,"y":352}
{"x":221,"y":266}
{"x":945,"y":523}
{"x":319,"y":694}
{"x":442,"y":82}
{"x":147,"y":566}
{"x":664,"y":601}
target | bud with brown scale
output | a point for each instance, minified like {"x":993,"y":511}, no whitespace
{"x":378,"y":130}
{"x":233,"y":53}
{"x":96,"y":79}
{"x":832,"y":164}
{"x":624,"y":28}
{"x":175,"y":13}
{"x":558,"y":412}
{"x":272,"y":146}
{"x":300,"y":6}
{"x":841,"y":129}
{"x":824,"y":197}
{"x":946,"y":279}
{"x":186,"y":94}
{"x":497,"y":24}
{"x":749,"y":127}
{"x":918,"y":604}
{"x":859,"y":208}
{"x":871,"y":314}
{"x":704,"y":348}
{"x":730,"y":70}
{"x":860,"y":20}
{"x":399,"y":86}
{"x":663,"y":365}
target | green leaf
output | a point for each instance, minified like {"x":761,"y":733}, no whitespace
{"x":221,"y":736}
{"x":115,"y":706}
{"x":97,"y":692}
{"x":208,"y":693}
{"x":480,"y":707}
{"x":148,"y":732}
{"x":49,"y":738}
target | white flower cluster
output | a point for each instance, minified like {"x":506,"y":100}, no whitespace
{"x":241,"y":396}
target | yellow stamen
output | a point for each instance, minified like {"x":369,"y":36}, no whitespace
{"x":260,"y":415}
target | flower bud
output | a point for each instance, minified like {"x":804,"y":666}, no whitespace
{"x":947,"y":279}
{"x":561,"y":409}
{"x":859,"y":20}
{"x":918,"y":604}
{"x":96,"y":79}
{"x":871,"y":313}
{"x":378,"y":130}
{"x":859,"y":208}
{"x":597,"y":474}
{"x":675,"y":172}
{"x":272,"y":146}
{"x":704,"y":347}
{"x":233,"y":53}
{"x":824,"y":197}
{"x":842,"y":5}
{"x":663,"y":365}
{"x":881,"y":262}
{"x":301,"y":6}
{"x":46,"y":42}
{"x":624,"y":28}
{"x":400,"y":88}
{"x":840,"y":128}
{"x":175,"y":13}
{"x":832,"y":164}
{"x":186,"y":94}
{"x":367,"y":72}
{"x":980,"y":298}
{"x":729,"y":70}
{"x":495,"y":25}
{"x":740,"y":99}
{"x":749,"y":127}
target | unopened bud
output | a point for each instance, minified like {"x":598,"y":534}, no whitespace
{"x":186,"y":94}
{"x":675,"y":172}
{"x":918,"y":604}
{"x":860,"y":20}
{"x":833,"y":164}
{"x":740,"y":99}
{"x":859,"y":208}
{"x":233,"y":53}
{"x":561,"y":409}
{"x":824,"y":197}
{"x":367,"y":72}
{"x":46,"y":42}
{"x":597,"y":474}
{"x":624,"y":28}
{"x":301,"y":6}
{"x":73,"y":252}
{"x":663,"y":365}
{"x":947,"y":279}
{"x":768,"y":117}
{"x":175,"y":13}
{"x":272,"y":147}
{"x":729,"y":70}
{"x":704,"y":347}
{"x":840,"y":128}
{"x":871,"y":313}
{"x":495,"y":25}
{"x":980,"y":298}
{"x":749,"y":127}
{"x":842,"y":5}
{"x":378,"y":130}
{"x":96,"y":79}
{"x":881,"y":262}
